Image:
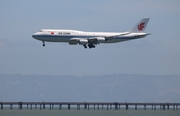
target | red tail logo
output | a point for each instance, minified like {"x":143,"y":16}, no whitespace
{"x":141,"y":26}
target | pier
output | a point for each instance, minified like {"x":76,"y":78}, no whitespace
{"x":88,"y":105}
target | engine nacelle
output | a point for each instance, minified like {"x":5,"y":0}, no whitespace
{"x":101,"y":39}
{"x":73,"y":41}
{"x":83,"y":42}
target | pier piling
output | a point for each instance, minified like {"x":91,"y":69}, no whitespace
{"x":135,"y":107}
{"x":127,"y":107}
{"x":69,"y":106}
{"x":11,"y":106}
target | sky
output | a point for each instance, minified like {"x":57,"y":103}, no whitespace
{"x":157,"y":54}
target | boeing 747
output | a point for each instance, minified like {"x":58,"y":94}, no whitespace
{"x":91,"y":39}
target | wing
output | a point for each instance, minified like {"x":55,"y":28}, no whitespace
{"x":112,"y":37}
{"x":91,"y":42}
{"x":97,"y":40}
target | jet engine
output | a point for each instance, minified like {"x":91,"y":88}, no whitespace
{"x":83,"y":41}
{"x":100,"y":39}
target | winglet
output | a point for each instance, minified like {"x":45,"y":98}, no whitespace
{"x":140,"y":26}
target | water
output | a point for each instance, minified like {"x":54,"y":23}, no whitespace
{"x":90,"y":112}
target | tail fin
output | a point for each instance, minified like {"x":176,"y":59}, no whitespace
{"x":140,"y":26}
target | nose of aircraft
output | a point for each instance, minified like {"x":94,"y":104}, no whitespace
{"x":37,"y":36}
{"x":34,"y":35}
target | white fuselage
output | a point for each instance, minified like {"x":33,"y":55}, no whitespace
{"x":50,"y":35}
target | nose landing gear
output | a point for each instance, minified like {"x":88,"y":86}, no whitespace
{"x":43,"y":43}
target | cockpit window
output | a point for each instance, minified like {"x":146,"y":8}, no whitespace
{"x":40,"y":31}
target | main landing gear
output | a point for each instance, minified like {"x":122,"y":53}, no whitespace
{"x":90,"y":46}
{"x":85,"y":46}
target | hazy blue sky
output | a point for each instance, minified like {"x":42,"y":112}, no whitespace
{"x":158,"y":53}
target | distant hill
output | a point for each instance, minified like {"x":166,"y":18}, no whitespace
{"x":115,"y":87}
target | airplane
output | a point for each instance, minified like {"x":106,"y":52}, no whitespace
{"x":91,"y":39}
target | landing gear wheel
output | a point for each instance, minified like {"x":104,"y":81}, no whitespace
{"x":85,"y":46}
{"x":91,"y":46}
